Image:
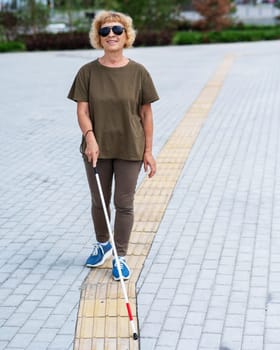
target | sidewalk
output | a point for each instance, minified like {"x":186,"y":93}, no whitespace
{"x":219,"y":232}
{"x":212,"y":277}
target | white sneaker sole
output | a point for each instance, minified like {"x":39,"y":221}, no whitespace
{"x":106,"y":256}
{"x":124,"y":278}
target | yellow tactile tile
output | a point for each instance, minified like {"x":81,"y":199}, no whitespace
{"x":99,"y":327}
{"x":112,"y":308}
{"x":102,"y":322}
{"x":87,"y":328}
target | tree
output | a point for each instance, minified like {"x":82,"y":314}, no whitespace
{"x":34,"y":16}
{"x":215,"y":13}
{"x":151,"y":14}
{"x":106,"y":4}
{"x":8,"y":25}
{"x":277,"y":4}
{"x":74,"y":8}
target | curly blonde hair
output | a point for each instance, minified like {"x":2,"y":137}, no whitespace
{"x":110,"y":16}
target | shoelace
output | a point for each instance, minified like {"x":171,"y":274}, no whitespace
{"x":122,"y":262}
{"x":95,"y":249}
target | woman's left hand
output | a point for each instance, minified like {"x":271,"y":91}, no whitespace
{"x":149,"y":164}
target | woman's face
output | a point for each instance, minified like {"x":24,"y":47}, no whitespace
{"x":113,"y":41}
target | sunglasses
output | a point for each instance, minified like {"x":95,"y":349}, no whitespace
{"x":104,"y":31}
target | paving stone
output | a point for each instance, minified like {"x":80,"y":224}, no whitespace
{"x":148,"y":343}
{"x":18,"y":319}
{"x":3,"y":345}
{"x":173,"y":324}
{"x":190,"y":344}
{"x":7,"y":333}
{"x":61,"y":341}
{"x":210,"y":340}
{"x":191,"y":332}
{"x":151,"y":330}
{"x":45,"y":335}
{"x":168,"y":339}
{"x":21,"y":340}
{"x":271,"y":346}
{"x":38,"y":345}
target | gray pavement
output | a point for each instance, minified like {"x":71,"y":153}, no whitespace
{"x":221,"y":288}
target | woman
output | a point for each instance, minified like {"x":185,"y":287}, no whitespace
{"x":114,"y":96}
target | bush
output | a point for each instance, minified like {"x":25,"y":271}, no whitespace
{"x":59,"y":41}
{"x":11,"y":46}
{"x":277,"y":4}
{"x":153,"y":38}
{"x":187,"y":38}
{"x":226,"y":36}
{"x":272,"y":33}
{"x":244,"y":26}
{"x":80,"y":40}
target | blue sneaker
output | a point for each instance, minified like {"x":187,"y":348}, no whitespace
{"x":124,"y":269}
{"x":99,"y":254}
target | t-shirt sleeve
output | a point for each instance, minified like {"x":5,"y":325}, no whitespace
{"x":149,"y":93}
{"x":79,"y":90}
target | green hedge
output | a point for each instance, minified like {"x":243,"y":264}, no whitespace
{"x":153,"y":38}
{"x":226,"y":36}
{"x":80,"y":40}
{"x":12,"y":46}
{"x":60,"y":41}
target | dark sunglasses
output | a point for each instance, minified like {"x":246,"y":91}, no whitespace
{"x":104,"y":31}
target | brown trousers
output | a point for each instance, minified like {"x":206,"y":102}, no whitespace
{"x":125,"y":174}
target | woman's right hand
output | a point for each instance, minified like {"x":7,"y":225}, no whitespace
{"x":92,"y":152}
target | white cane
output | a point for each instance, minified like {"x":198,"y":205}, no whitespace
{"x":135,"y":336}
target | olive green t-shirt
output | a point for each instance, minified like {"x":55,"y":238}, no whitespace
{"x":115,"y":97}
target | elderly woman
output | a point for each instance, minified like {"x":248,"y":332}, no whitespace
{"x":114,"y":96}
